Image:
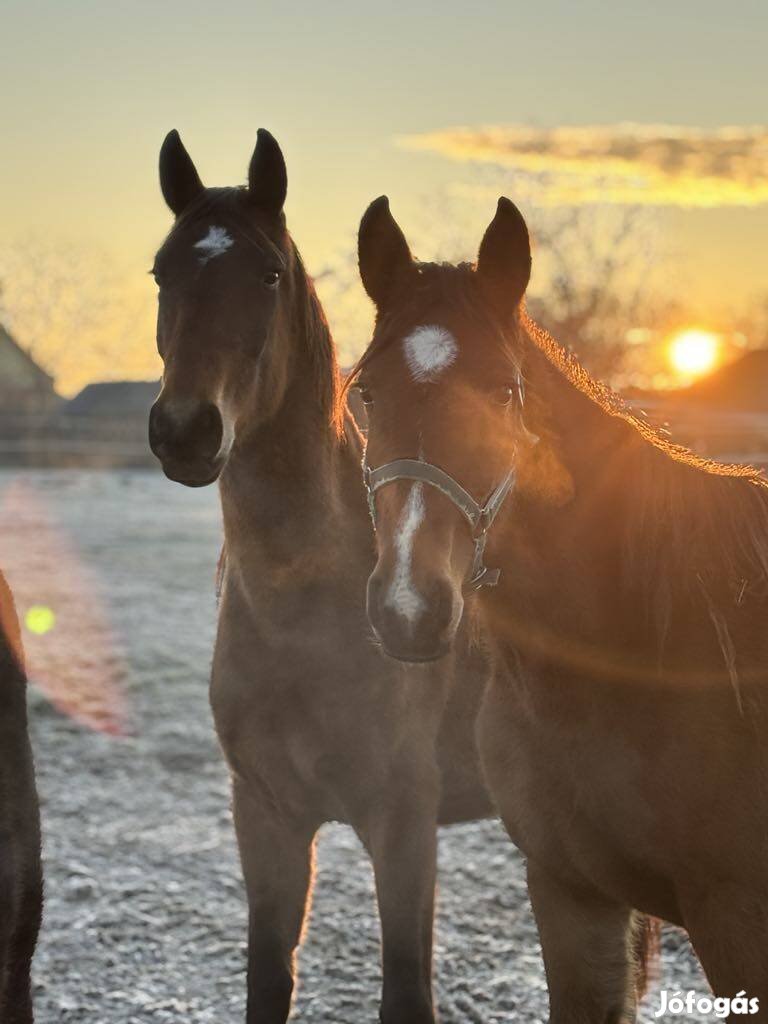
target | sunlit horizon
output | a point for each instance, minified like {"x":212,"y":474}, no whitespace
{"x":443,"y":136}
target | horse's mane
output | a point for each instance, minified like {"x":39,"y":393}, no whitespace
{"x":305,"y":316}
{"x":696,"y":530}
{"x":724,"y":505}
{"x":610,"y":402}
{"x":692,"y":525}
{"x":313,"y":325}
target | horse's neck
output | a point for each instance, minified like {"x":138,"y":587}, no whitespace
{"x":285,"y":486}
{"x":561,"y":562}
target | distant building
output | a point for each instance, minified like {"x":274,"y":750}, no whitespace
{"x":24,"y":386}
{"x":124,"y":400}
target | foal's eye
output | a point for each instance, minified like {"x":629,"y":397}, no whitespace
{"x":271,"y":279}
{"x":365,"y":395}
{"x":503,"y":395}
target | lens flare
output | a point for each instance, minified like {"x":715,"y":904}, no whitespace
{"x":694,"y":352}
{"x":40,"y":619}
{"x":72,"y":651}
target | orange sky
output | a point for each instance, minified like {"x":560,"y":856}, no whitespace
{"x":665,"y":101}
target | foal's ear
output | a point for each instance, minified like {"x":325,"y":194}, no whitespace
{"x":504,"y":259}
{"x":267,"y":176}
{"x":382,"y":251}
{"x":179,"y":181}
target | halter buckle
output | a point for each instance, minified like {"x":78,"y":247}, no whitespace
{"x":482,"y":525}
{"x":485,"y":578}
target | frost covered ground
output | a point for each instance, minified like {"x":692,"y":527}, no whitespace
{"x":145,"y":913}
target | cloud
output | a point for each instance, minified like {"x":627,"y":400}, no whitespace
{"x":656,"y":165}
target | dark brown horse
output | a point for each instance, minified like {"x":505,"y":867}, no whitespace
{"x":625,"y":734}
{"x":21,"y":880}
{"x":315,"y":724}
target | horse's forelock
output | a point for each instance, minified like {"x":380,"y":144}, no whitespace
{"x":231,"y":206}
{"x":439,"y":290}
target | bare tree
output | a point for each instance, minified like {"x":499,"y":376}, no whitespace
{"x":596,"y":277}
{"x":75,"y":312}
{"x":599,"y":280}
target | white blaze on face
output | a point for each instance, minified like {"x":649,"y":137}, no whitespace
{"x":403,"y":595}
{"x":428,"y":351}
{"x":215,"y":243}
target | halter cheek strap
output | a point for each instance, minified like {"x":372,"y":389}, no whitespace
{"x":479,"y":517}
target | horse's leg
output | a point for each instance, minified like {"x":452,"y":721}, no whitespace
{"x":728,"y":927}
{"x":18,"y":981}
{"x":18,"y":985}
{"x":589,"y":952}
{"x":28,"y":892}
{"x":276,"y":855}
{"x":402,"y":840}
{"x":8,"y":904}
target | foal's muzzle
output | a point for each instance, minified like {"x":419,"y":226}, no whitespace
{"x":426,"y":637}
{"x":186,"y":436}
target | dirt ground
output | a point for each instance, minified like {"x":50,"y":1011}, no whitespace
{"x":145,"y":913}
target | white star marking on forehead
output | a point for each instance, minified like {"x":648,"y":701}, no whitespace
{"x":428,"y":351}
{"x":216,"y":242}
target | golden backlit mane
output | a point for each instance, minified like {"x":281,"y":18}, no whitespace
{"x":613,"y":404}
{"x":695,"y":531}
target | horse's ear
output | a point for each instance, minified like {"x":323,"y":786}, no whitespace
{"x":179,"y":181}
{"x":267,"y":176}
{"x":504,"y":259}
{"x":382,"y":251}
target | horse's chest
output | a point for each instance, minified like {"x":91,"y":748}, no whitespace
{"x":314,"y":714}
{"x":563,"y":797}
{"x":278,"y":728}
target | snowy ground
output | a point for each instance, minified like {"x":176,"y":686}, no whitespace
{"x":145,"y":913}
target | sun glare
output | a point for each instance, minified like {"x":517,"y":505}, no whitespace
{"x":694,"y":352}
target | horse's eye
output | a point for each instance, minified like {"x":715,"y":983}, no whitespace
{"x":271,"y":279}
{"x":503,"y":396}
{"x":365,"y":395}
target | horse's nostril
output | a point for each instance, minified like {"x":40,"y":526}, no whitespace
{"x":205,"y":432}
{"x":189,"y":431}
{"x":442,"y":601}
{"x":158,"y":427}
{"x":409,"y":632}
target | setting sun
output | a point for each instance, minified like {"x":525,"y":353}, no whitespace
{"x":693,"y":352}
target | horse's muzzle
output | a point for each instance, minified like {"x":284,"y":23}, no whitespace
{"x":416,"y":627}
{"x":186,"y":436}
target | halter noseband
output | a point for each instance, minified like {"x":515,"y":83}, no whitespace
{"x":479,"y":517}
